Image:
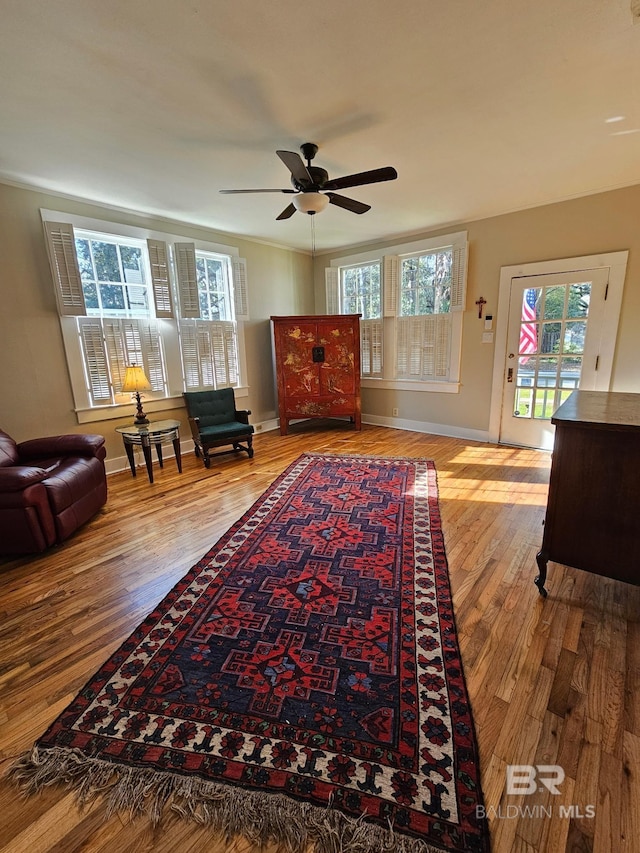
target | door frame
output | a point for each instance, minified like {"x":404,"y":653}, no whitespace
{"x":617,"y":264}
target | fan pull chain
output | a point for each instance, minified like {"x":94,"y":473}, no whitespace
{"x":313,"y":236}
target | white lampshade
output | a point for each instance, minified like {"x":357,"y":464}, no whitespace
{"x":310,"y":202}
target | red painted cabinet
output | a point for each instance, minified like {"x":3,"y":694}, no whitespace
{"x":317,"y":367}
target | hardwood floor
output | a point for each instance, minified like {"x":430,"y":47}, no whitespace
{"x":551,"y":681}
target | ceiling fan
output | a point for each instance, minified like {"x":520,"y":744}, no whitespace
{"x":313,"y":190}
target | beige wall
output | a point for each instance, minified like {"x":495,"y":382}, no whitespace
{"x":594,"y":224}
{"x":35,"y":394}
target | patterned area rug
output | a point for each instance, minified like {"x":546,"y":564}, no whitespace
{"x":301,"y":683}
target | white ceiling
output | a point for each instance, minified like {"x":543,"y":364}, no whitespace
{"x":483,"y":107}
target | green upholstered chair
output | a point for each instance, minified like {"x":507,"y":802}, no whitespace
{"x":215,"y":421}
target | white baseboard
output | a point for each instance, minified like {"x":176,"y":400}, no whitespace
{"x":120,"y":463}
{"x":267,"y":426}
{"x":432,"y":429}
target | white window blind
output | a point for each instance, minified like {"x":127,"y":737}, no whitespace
{"x":110,"y":345}
{"x":95,"y":360}
{"x":185,"y":261}
{"x":423,"y":347}
{"x":61,"y":248}
{"x":160,"y":279}
{"x":371,"y":347}
{"x":332,"y":288}
{"x":390,"y":279}
{"x":459,"y":278}
{"x":209,"y":353}
{"x":240,"y":290}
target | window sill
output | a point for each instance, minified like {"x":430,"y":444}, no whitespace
{"x":123,"y":410}
{"x":411,"y":385}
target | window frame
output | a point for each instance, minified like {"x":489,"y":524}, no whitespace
{"x":389,"y":259}
{"x":160,"y":314}
{"x":119,"y":242}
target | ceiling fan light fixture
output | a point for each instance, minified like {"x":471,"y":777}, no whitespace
{"x":310,"y":202}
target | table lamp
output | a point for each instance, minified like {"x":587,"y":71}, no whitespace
{"x":135,"y":381}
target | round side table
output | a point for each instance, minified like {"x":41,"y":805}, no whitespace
{"x":144,"y":435}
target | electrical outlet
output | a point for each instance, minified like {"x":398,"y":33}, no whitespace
{"x":394,"y":412}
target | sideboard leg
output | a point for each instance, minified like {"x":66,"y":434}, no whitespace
{"x":542,"y":561}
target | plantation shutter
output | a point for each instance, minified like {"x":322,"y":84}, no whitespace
{"x":371,"y":347}
{"x":332,"y":288}
{"x":189,"y":348}
{"x":152,"y":356}
{"x":205,"y":348}
{"x":61,"y":248}
{"x":111,"y":345}
{"x":240,"y":289}
{"x":185,"y":258}
{"x":209,"y":354}
{"x":141,"y":345}
{"x":442,"y":355}
{"x":225,"y":363}
{"x":160,"y":280}
{"x":423,"y":347}
{"x":117,"y":353}
{"x":390,"y":282}
{"x":429,"y":347}
{"x":95,"y":359}
{"x":459,"y":278}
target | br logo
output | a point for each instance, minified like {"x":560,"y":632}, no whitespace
{"x":529,"y":778}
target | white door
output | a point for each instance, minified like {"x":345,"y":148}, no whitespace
{"x":554,"y":333}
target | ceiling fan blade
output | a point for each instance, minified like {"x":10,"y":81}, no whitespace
{"x":287,"y":212}
{"x":294,"y":164}
{"x":387,"y":173}
{"x":228,"y":192}
{"x":348,"y":203}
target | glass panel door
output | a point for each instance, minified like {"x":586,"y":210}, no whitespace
{"x":554,"y":334}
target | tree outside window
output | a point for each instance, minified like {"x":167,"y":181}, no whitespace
{"x":213,"y":287}
{"x":426,"y":284}
{"x":361,"y":291}
{"x":113,"y":276}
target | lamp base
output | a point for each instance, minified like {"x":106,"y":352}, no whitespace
{"x":141,"y":419}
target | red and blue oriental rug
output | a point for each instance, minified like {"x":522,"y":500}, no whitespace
{"x":301,"y":683}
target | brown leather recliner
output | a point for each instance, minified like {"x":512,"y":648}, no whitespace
{"x":48,"y":488}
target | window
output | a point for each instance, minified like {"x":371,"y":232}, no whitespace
{"x":411,"y":303}
{"x":208,"y":327}
{"x":361,"y":293}
{"x":425,"y":284}
{"x":213,"y":287}
{"x":423,"y":350}
{"x":360,"y":290}
{"x":114,"y":279}
{"x":171,"y":307}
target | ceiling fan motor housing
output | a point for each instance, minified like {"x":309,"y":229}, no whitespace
{"x":319,"y":178}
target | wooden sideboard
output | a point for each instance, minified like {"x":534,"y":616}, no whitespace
{"x":593,"y":510}
{"x":317,"y":367}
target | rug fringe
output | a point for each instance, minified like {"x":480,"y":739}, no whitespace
{"x":259,"y":816}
